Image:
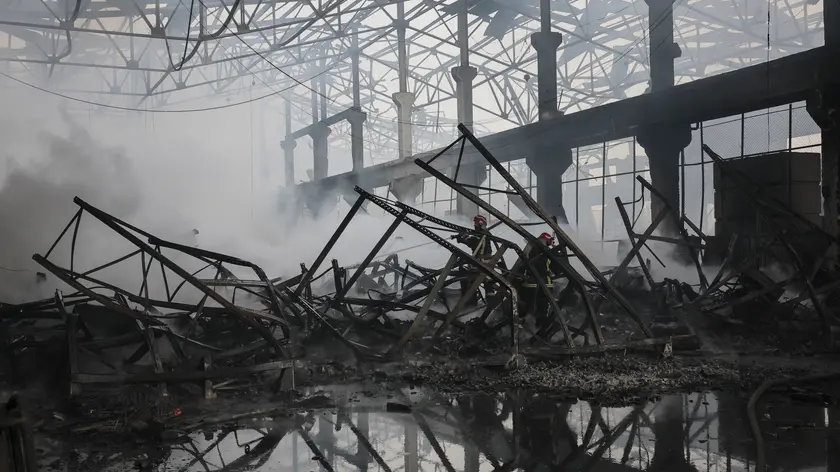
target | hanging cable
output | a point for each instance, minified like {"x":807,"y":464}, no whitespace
{"x":184,"y":57}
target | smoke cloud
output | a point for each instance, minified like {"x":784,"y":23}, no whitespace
{"x":169,"y":175}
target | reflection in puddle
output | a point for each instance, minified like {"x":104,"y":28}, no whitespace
{"x":482,"y":433}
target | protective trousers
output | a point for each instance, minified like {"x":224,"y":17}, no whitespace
{"x":489,"y":287}
{"x":533,"y":302}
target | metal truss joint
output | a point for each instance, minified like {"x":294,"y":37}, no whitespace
{"x":158,"y":31}
{"x":132,"y":64}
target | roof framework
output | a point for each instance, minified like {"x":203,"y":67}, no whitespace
{"x":168,"y":54}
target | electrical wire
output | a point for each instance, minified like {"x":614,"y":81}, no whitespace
{"x":274,"y":93}
{"x":201,"y":39}
{"x":286,"y":42}
{"x":184,"y":57}
{"x":149,"y":110}
{"x":225,"y":26}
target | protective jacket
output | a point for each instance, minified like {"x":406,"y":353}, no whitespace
{"x":541,"y":266}
{"x":480,"y":245}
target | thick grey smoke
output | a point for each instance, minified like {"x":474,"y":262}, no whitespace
{"x":43,"y":171}
{"x":167,"y":180}
{"x":168,"y":174}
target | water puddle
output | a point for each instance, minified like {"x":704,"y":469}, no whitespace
{"x":416,"y":431}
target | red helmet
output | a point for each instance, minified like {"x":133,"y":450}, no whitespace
{"x":547,"y":239}
{"x":479,"y":220}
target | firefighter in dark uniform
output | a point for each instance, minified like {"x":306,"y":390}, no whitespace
{"x":481,"y":248}
{"x":532,"y":297}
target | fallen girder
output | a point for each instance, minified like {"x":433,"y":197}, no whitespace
{"x":194,"y":320}
{"x":200,"y":336}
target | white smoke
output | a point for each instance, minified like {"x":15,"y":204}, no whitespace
{"x":169,"y":175}
{"x":182,"y":173}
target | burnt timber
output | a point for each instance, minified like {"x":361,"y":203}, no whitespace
{"x":786,"y":80}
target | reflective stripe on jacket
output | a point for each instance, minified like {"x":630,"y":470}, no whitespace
{"x":542,"y":265}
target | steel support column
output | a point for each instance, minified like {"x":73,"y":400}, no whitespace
{"x":664,"y":143}
{"x":464,"y":74}
{"x":546,"y":161}
{"x":404,"y":100}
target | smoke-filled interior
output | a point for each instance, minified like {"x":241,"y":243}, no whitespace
{"x":457,"y":235}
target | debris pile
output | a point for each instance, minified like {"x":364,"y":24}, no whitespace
{"x":195,"y":324}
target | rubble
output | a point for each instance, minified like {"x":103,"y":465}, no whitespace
{"x":206,"y":332}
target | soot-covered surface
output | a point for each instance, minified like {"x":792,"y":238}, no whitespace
{"x":412,"y":429}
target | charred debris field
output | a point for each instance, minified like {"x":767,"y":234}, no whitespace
{"x":209,"y":338}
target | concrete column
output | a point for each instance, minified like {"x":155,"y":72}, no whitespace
{"x":468,"y":174}
{"x":472,"y":458}
{"x":831,"y":177}
{"x":831,"y":18}
{"x":410,"y":448}
{"x":403,"y":99}
{"x":407,"y":189}
{"x":548,"y":162}
{"x":464,"y":75}
{"x":833,"y":440}
{"x":546,"y":44}
{"x":405,"y":106}
{"x":357,"y":142}
{"x":362,"y":453}
{"x":289,"y":146}
{"x":823,"y":107}
{"x":325,"y":439}
{"x":357,"y":119}
{"x":663,"y":144}
{"x":831,"y":133}
{"x":320,"y":151}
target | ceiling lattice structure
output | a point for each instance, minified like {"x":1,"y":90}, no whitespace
{"x":171,"y":54}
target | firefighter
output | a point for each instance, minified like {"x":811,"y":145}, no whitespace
{"x":481,"y":248}
{"x":480,"y":244}
{"x":532,"y":297}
